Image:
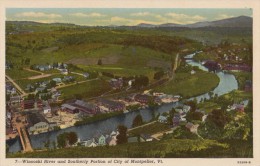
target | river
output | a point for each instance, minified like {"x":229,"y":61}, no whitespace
{"x":227,"y":84}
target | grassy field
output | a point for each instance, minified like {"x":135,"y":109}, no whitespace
{"x":121,"y":70}
{"x":208,"y":106}
{"x":86,"y":90}
{"x":203,"y":56}
{"x":19,"y":73}
{"x":242,"y":77}
{"x":188,"y":85}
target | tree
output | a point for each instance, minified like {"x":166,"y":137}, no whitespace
{"x":61,"y":140}
{"x":54,"y":145}
{"x":239,"y":127}
{"x":72,"y":138}
{"x":121,"y":137}
{"x":192,"y":104}
{"x":47,"y":144}
{"x":158,"y":75}
{"x":66,"y":139}
{"x":218,"y":117}
{"x":27,"y":61}
{"x":138,"y":120}
{"x":31,"y":97}
{"x":99,"y":62}
{"x":194,"y":116}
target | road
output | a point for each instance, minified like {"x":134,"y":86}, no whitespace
{"x":35,"y":71}
{"x":142,"y":126}
{"x":80,"y":82}
{"x":23,"y":93}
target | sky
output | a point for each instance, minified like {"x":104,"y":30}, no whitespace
{"x":122,"y":16}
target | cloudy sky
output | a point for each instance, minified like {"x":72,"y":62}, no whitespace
{"x":121,"y":16}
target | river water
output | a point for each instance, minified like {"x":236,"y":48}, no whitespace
{"x":227,"y":83}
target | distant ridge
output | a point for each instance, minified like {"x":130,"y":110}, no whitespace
{"x":241,"y":21}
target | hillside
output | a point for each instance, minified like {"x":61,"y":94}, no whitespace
{"x":167,"y":148}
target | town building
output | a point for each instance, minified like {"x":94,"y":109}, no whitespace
{"x":143,"y":99}
{"x":27,"y":105}
{"x":111,"y":105}
{"x":38,"y":124}
{"x":79,"y":106}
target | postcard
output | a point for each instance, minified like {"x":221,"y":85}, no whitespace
{"x":129,"y":83}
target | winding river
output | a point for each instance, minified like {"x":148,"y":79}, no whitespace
{"x":227,"y":83}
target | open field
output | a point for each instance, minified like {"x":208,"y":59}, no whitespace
{"x":188,"y":85}
{"x":20,"y":73}
{"x":86,"y":90}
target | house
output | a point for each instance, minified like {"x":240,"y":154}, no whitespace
{"x":46,"y":109}
{"x":146,"y":138}
{"x":116,"y":83}
{"x":37,"y":90}
{"x":15,"y":99}
{"x":68,"y":79}
{"x":186,"y":108}
{"x":178,"y":119}
{"x":111,"y":141}
{"x":43,"y":67}
{"x":101,"y":140}
{"x":86,"y":75}
{"x":57,"y":80}
{"x":162,"y":119}
{"x":89,"y":143}
{"x":113,"y":133}
{"x":237,"y":107}
{"x":193,"y":128}
{"x":111,"y":105}
{"x":64,"y":71}
{"x":36,"y":123}
{"x":193,"y":72}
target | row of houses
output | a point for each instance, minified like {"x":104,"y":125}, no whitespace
{"x":237,"y":67}
{"x":101,"y":140}
{"x":46,"y":67}
{"x":111,"y":140}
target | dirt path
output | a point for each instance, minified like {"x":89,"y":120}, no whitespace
{"x":42,"y":75}
{"x":80,"y":82}
{"x":142,"y":125}
{"x":23,"y":93}
{"x":35,"y":71}
{"x":160,"y":134}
